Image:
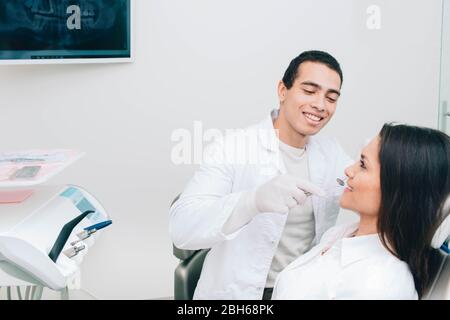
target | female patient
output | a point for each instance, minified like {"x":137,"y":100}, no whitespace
{"x":398,"y":188}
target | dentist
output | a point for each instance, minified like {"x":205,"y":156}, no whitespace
{"x":259,"y":217}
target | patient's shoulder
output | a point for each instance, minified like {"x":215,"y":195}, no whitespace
{"x":388,"y":278}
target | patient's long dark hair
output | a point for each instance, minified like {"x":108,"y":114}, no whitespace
{"x":415,"y":181}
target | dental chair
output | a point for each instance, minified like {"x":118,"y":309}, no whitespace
{"x":440,"y":289}
{"x":188,"y":270}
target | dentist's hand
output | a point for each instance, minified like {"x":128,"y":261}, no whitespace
{"x":283,"y":193}
{"x":277,"y":195}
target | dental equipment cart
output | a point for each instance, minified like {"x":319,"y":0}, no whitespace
{"x":44,"y":238}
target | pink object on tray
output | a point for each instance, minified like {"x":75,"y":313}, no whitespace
{"x":15,"y":196}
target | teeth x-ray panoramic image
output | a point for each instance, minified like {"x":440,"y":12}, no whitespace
{"x":76,"y":25}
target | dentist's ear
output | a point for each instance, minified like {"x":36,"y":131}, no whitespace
{"x":282,"y":90}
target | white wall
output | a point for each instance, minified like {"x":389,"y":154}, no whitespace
{"x":219,"y":62}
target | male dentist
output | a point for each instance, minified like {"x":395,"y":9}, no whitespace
{"x":259,"y":217}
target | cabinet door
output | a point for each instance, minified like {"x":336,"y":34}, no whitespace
{"x":444,"y":100}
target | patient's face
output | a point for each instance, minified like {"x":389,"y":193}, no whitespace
{"x":363,"y":194}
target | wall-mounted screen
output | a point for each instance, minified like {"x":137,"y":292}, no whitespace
{"x":65,"y":31}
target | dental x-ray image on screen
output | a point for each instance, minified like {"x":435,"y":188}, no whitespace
{"x":64,"y":29}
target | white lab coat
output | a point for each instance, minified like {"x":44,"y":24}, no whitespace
{"x":362,"y":268}
{"x":237,"y":265}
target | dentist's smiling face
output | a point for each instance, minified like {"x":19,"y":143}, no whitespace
{"x":311,"y":101}
{"x":363,"y":194}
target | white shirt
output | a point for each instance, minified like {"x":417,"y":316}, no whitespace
{"x":298,"y":232}
{"x":342,"y":267}
{"x":237,"y":265}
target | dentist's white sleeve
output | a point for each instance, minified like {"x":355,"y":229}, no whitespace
{"x":198,"y":216}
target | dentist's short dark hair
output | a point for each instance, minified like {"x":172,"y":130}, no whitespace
{"x":325,"y":58}
{"x":415,"y":182}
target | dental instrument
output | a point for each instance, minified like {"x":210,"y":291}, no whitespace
{"x":342,"y":182}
